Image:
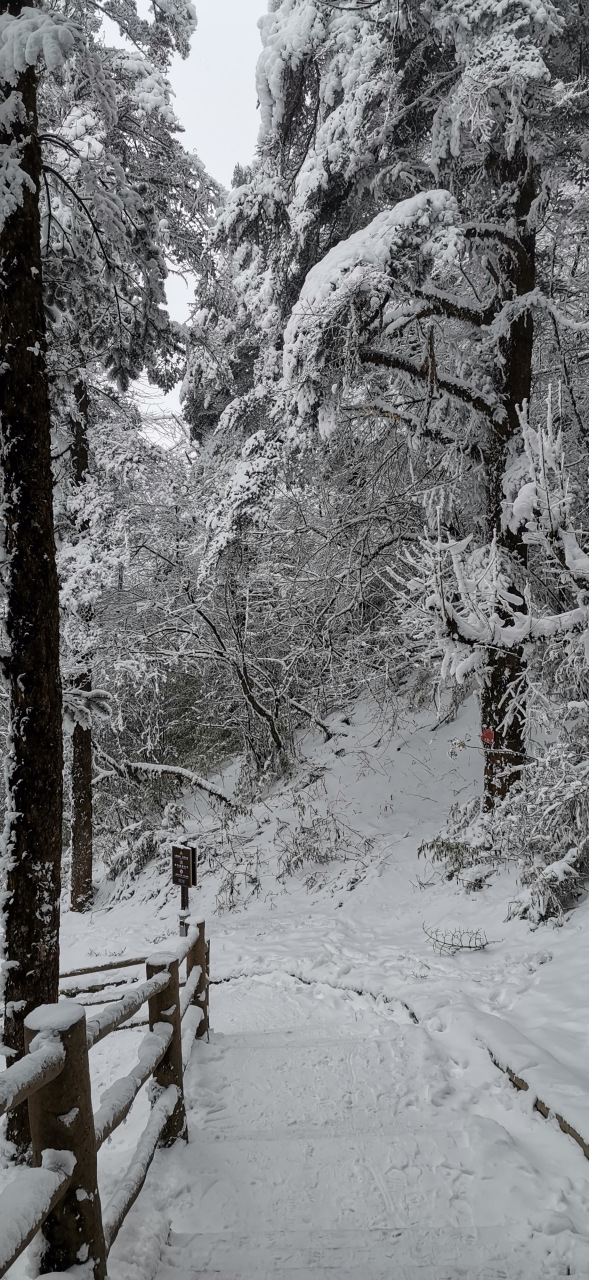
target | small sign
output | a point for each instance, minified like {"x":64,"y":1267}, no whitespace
{"x":183,"y":866}
{"x":488,"y":736}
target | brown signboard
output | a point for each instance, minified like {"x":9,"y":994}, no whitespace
{"x":183,"y":866}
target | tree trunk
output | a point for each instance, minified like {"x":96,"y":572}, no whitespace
{"x":81,"y":778}
{"x":33,"y":832}
{"x":504,"y":743}
{"x":81,"y":848}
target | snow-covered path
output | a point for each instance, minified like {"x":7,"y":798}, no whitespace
{"x":329,"y":1134}
{"x":332,"y":1137}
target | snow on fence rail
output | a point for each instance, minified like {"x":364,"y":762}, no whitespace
{"x":60,"y":1195}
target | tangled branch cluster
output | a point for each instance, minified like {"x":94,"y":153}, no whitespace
{"x":449,"y":941}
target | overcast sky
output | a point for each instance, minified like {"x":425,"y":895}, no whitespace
{"x":216,"y":104}
{"x":215,"y":87}
{"x":216,"y":97}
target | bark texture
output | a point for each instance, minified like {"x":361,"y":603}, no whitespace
{"x":62,"y":1119}
{"x":81,"y":778}
{"x":34,"y":772}
{"x":81,"y":892}
{"x":505,"y":747}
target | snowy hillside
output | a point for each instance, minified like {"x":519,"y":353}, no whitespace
{"x":325,"y":871}
{"x":346,"y":1114}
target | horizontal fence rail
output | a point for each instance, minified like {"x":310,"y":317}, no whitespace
{"x":29,"y":1074}
{"x":59,"y":1196}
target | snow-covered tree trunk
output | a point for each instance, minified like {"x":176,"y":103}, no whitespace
{"x":503,"y":720}
{"x":81,"y":775}
{"x":32,"y":837}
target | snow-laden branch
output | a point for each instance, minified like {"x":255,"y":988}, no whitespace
{"x":543,"y":500}
{"x":489,"y":406}
{"x":195,"y":780}
{"x":495,"y":633}
{"x":30,"y":35}
{"x":535,"y":300}
{"x":141,"y":768}
{"x":473,"y":589}
{"x":84,"y":706}
{"x":359,"y":273}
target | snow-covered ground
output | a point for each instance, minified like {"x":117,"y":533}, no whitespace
{"x":330,"y":1133}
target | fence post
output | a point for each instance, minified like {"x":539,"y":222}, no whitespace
{"x":199,"y":955}
{"x":205,"y":1021}
{"x":61,"y":1119}
{"x":165,"y":1007}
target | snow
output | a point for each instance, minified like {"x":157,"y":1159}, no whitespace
{"x":28,"y":36}
{"x":101,"y":1024}
{"x":332,"y":1137}
{"x":46,"y":1056}
{"x":48,"y":1018}
{"x":251,"y":486}
{"x":576,"y":559}
{"x":13,"y":181}
{"x":375,"y":245}
{"x":28,"y":1198}
{"x":187,"y":943}
{"x":362,"y":268}
{"x":287,"y":38}
{"x":499,"y":47}
{"x":152,"y":92}
{"x":190,"y":1024}
{"x":187,"y":994}
{"x":118,"y":1099}
{"x":161,"y":959}
{"x":563,"y":1090}
{"x":329,"y":1132}
{"x":132,"y":1180}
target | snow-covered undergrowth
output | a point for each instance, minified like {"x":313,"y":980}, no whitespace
{"x":327,"y":929}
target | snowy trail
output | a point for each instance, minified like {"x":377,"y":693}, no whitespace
{"x":331,"y":1137}
{"x":329,"y":1134}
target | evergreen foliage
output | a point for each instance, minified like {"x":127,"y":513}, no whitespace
{"x":381,"y":481}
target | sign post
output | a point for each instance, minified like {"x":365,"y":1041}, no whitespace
{"x":184,"y":874}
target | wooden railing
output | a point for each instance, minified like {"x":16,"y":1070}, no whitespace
{"x":59,"y":1196}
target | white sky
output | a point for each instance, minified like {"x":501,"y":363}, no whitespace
{"x":216,"y":104}
{"x":215,"y":87}
{"x":216,"y":97}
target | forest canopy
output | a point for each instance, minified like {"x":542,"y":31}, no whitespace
{"x":379,"y":484}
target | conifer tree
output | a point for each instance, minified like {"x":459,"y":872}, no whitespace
{"x":32,"y":828}
{"x":389,"y":253}
{"x":123,"y":203}
{"x":432,"y":307}
{"x":93,"y":180}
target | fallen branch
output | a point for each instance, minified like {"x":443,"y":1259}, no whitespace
{"x":137,"y":767}
{"x":449,"y":941}
{"x":329,"y":733}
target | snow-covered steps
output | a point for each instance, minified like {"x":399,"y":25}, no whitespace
{"x":411,"y":1254}
{"x":555,"y":1088}
{"x":346,"y":1144}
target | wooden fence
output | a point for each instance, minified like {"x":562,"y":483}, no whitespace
{"x":59,"y":1196}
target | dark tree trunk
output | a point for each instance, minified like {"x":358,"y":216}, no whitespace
{"x":81,"y":891}
{"x":503,"y":743}
{"x":503,"y":720}
{"x":81,"y":779}
{"x":34,"y":774}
